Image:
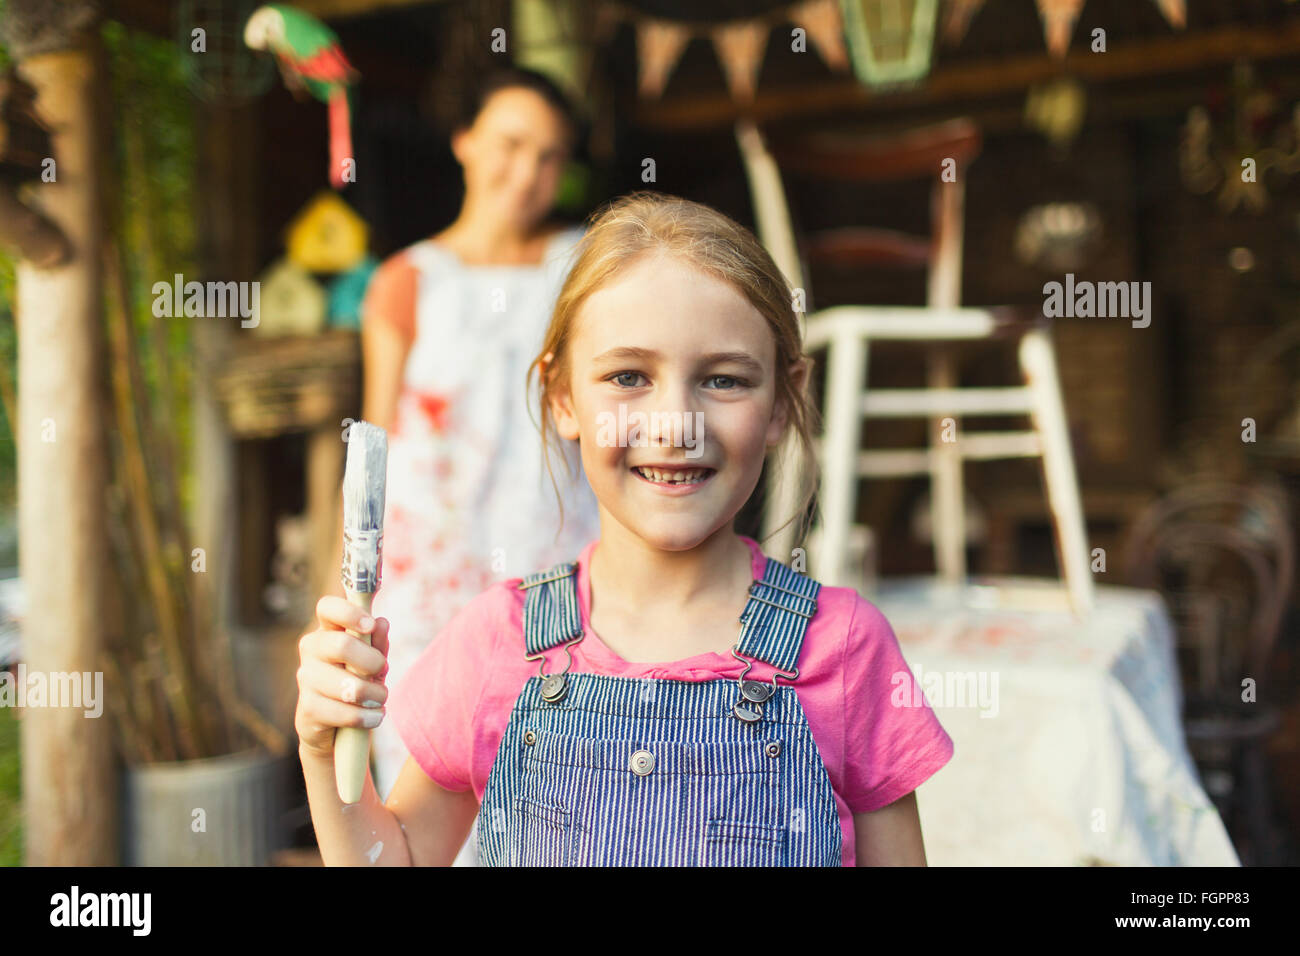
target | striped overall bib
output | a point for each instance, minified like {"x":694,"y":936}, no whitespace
{"x":596,"y":770}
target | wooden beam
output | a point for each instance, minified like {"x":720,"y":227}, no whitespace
{"x":159,"y":16}
{"x":341,"y":9}
{"x":984,"y":78}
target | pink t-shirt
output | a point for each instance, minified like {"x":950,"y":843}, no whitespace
{"x":452,"y":707}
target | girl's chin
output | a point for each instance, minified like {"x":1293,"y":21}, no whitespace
{"x":669,"y":534}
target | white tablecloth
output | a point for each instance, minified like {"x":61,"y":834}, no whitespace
{"x":1074,"y":753}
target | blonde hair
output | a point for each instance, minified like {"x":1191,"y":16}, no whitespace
{"x":711,"y":242}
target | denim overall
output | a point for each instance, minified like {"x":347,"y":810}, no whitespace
{"x":596,"y":770}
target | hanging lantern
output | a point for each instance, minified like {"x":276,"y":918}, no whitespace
{"x":889,"y":40}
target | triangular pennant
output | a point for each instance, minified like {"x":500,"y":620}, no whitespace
{"x":1058,"y":23}
{"x":659,"y":45}
{"x":820,"y":19}
{"x":740,"y":48}
{"x":1175,"y":12}
{"x":957,"y":17}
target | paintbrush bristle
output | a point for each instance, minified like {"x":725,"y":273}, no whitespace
{"x":364,"y":477}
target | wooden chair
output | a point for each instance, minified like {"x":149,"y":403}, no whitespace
{"x":847,"y":331}
{"x":1223,"y":557}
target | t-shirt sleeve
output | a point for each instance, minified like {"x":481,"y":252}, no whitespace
{"x":893,"y":741}
{"x":433,"y":706}
{"x":390,"y":295}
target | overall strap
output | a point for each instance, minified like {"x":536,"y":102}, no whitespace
{"x":776,"y":616}
{"x":551,"y":612}
{"x":772,"y":623}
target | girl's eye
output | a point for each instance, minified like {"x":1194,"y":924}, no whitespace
{"x":729,"y":381}
{"x":618,"y":376}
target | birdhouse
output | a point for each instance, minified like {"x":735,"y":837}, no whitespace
{"x":26,"y":154}
{"x":347,"y":292}
{"x":327,"y":236}
{"x":290,"y":302}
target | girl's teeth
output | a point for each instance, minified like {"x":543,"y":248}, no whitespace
{"x":672,"y":477}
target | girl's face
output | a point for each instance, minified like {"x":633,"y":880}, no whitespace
{"x":690,"y":360}
{"x":514,"y":155}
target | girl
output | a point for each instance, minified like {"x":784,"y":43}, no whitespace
{"x":607,"y":712}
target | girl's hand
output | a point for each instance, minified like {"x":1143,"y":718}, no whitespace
{"x":340,"y":678}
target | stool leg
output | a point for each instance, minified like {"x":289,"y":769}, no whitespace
{"x":947,"y":498}
{"x":846,"y":383}
{"x":783,"y":483}
{"x":1038,"y":363}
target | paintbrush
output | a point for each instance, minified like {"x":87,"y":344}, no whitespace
{"x":363,"y":538}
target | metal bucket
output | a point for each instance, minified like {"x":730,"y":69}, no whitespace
{"x":222,"y":811}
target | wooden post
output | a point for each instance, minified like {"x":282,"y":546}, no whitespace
{"x":69,"y":792}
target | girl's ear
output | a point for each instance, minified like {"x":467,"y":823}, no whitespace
{"x":566,"y":420}
{"x":781,"y":410}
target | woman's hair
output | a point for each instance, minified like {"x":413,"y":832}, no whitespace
{"x":518,"y":77}
{"x":648,"y":222}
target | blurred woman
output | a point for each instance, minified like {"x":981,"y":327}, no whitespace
{"x":449,"y":326}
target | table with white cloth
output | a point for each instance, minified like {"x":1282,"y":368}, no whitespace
{"x":1068,"y":743}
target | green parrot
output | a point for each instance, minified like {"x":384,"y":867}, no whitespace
{"x":310,"y":58}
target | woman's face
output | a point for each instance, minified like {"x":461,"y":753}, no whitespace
{"x":514,"y":155}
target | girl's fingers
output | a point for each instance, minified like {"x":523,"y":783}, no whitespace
{"x":338,"y":614}
{"x":325,"y":712}
{"x":335,"y":683}
{"x":340,"y":647}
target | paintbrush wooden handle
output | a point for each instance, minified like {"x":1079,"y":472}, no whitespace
{"x":352,"y":744}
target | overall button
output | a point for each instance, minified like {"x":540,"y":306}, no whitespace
{"x":773,"y":748}
{"x":530,"y":738}
{"x":747,"y":711}
{"x":553,"y":688}
{"x":643,"y":761}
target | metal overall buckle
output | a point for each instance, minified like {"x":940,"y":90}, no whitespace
{"x":753,"y":693}
{"x":555,"y":686}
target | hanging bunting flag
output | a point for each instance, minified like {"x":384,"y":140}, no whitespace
{"x":740,"y":47}
{"x":883,"y":30}
{"x":820,"y":19}
{"x":1175,"y":12}
{"x":957,"y":17}
{"x":1058,"y":23}
{"x":659,"y":45}
{"x":1059,"y":17}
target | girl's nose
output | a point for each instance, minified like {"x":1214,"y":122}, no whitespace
{"x":675,"y":402}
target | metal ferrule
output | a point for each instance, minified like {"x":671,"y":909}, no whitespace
{"x":362,"y":560}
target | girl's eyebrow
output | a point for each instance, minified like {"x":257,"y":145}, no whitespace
{"x":743,"y":359}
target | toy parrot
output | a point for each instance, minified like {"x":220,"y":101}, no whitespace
{"x":310,"y":58}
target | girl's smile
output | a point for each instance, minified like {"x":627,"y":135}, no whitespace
{"x":668,"y":479}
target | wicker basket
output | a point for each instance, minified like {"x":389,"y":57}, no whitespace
{"x":295,"y":383}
